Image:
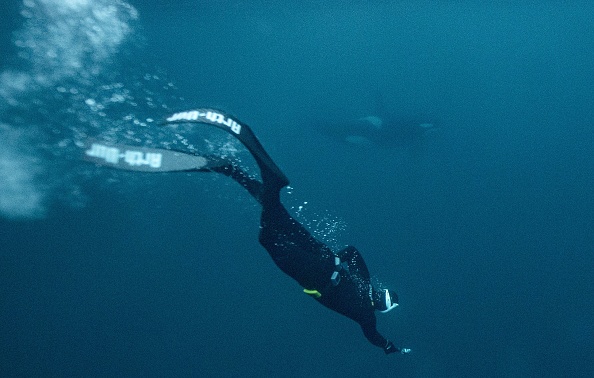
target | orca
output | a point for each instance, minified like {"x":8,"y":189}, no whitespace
{"x":375,"y":131}
{"x":381,"y":129}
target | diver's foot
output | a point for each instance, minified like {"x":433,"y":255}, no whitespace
{"x":234,"y":171}
{"x":227,"y":168}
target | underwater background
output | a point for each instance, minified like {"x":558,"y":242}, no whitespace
{"x":484,"y":227}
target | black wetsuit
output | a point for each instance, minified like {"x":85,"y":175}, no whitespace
{"x":310,"y":262}
{"x":342,"y":285}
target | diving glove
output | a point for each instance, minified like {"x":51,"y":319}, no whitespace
{"x":391,"y":348}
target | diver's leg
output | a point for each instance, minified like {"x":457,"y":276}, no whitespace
{"x":253,"y":186}
{"x":266,"y":193}
{"x":278,"y":228}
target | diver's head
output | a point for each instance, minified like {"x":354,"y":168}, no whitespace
{"x":385,"y":300}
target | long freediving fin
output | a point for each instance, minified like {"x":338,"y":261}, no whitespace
{"x":236,"y":128}
{"x":144,"y":159}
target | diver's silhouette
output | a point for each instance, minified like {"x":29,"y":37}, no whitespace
{"x":339,"y":281}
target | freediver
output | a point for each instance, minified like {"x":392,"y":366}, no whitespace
{"x":339,"y":281}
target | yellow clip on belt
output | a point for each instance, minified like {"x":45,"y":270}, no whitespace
{"x":314,"y":293}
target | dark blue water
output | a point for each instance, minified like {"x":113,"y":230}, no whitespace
{"x":484,"y":229}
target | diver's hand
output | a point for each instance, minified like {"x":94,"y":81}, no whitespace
{"x":391,"y":348}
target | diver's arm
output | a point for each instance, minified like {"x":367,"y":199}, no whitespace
{"x":374,"y":337}
{"x":371,"y":333}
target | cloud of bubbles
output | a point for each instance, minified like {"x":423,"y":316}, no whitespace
{"x":19,"y":196}
{"x":64,"y":48}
